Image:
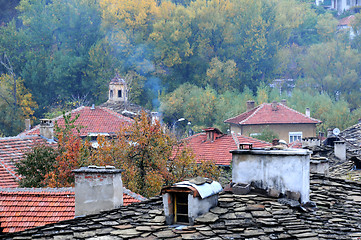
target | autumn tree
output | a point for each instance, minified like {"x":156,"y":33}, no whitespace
{"x":71,"y":154}
{"x":150,"y":157}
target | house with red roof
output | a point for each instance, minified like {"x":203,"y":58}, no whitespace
{"x":93,"y":121}
{"x":289,"y":124}
{"x":12,"y":149}
{"x":213,"y":145}
{"x":24,"y":208}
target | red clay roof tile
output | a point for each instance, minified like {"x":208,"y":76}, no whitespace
{"x":218,"y":150}
{"x":97,"y":120}
{"x":25,"y":208}
{"x":264,"y":114}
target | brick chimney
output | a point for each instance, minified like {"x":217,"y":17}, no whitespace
{"x":212,"y":134}
{"x":97,"y":189}
{"x":47,"y":128}
{"x":250,"y":105}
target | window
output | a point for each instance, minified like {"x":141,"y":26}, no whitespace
{"x":181,"y":208}
{"x":294,"y":136}
{"x":111,"y":94}
{"x":254,"y":135}
{"x":119,"y":93}
{"x":348,"y":2}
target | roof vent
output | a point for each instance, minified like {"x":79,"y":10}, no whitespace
{"x":185,"y":201}
{"x":93,"y":107}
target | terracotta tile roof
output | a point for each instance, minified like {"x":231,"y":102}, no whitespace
{"x":27,"y":208}
{"x":218,"y":150}
{"x":254,"y":216}
{"x":12,"y":150}
{"x":98,"y":120}
{"x":346,"y":21}
{"x":7,"y":177}
{"x":24,"y":208}
{"x":263,"y":114}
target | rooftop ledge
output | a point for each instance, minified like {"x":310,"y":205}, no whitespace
{"x":96,"y":169}
{"x":289,"y":152}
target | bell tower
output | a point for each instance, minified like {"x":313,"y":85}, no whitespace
{"x":118,"y":90}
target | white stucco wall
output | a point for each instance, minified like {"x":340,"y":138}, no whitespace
{"x":284,"y":170}
{"x":96,"y":191}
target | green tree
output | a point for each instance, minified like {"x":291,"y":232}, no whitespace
{"x":37,"y":162}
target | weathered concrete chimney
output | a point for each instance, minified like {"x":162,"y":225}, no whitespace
{"x":27,"y":124}
{"x":340,"y":150}
{"x":250,"y":105}
{"x":283,"y":171}
{"x":274,"y":106}
{"x":47,"y":128}
{"x":308,"y":112}
{"x":284,"y":102}
{"x":185,"y":201}
{"x":97,"y":189}
{"x":319,"y":165}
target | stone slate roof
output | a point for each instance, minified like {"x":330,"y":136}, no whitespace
{"x":24,"y":208}
{"x":352,"y":136}
{"x":97,"y":120}
{"x":264,"y":114}
{"x":252,"y":216}
{"x":219,"y":149}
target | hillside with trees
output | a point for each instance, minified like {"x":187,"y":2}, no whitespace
{"x":199,"y":60}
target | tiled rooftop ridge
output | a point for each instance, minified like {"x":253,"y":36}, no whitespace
{"x":252,"y":216}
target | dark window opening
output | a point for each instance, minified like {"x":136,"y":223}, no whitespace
{"x":181,"y":208}
{"x":119,"y":93}
{"x":111,"y":94}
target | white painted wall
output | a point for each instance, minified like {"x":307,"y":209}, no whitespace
{"x":284,"y":170}
{"x":97,"y":190}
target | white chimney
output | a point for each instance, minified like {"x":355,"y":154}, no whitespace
{"x":47,"y":128}
{"x":308,"y":112}
{"x":340,"y":150}
{"x":97,"y":189}
{"x":27,"y":124}
{"x":284,"y":102}
{"x":284,"y":171}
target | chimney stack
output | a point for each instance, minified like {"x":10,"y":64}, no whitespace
{"x":250,"y":105}
{"x":284,"y":171}
{"x":27,"y":124}
{"x":284,"y":102}
{"x":47,"y":128}
{"x":308,"y":112}
{"x":274,"y":106}
{"x":97,"y":189}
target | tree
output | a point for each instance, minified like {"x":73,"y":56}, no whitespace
{"x":145,"y":151}
{"x":37,"y":163}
